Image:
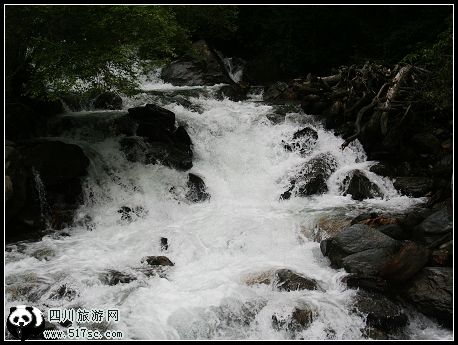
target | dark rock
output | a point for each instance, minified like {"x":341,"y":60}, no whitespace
{"x":23,"y":122}
{"x":394,"y":231}
{"x":402,"y":266}
{"x":413,"y":186}
{"x":153,"y":115}
{"x":444,"y":166}
{"x":380,"y":312}
{"x":17,"y":178}
{"x":303,"y":141}
{"x":113,"y":277}
{"x":164,"y":244}
{"x":442,"y":256}
{"x":200,"y":67}
{"x":176,"y":156}
{"x":157,"y":261}
{"x":359,"y":186}
{"x":46,"y":108}
{"x":135,"y":149}
{"x":170,"y":155}
{"x":197,"y":189}
{"x":108,"y":100}
{"x":124,"y":125}
{"x":52,"y":174}
{"x":287,"y":280}
{"x":356,"y":239}
{"x":363,"y":217}
{"x":300,"y":319}
{"x":431,"y":292}
{"x":425,"y":143}
{"x":127,"y":212}
{"x":274,"y":91}
{"x":64,"y":292}
{"x":371,"y":283}
{"x":55,"y":161}
{"x":181,"y":137}
{"x":285,"y":195}
{"x":275,"y":118}
{"x":368,"y":262}
{"x":313,"y":176}
{"x":414,"y":217}
{"x":75,"y":102}
{"x":437,"y":223}
{"x":235,"y":92}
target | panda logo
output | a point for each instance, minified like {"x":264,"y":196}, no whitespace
{"x":24,"y":322}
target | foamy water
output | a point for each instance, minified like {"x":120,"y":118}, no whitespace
{"x":243,"y":231}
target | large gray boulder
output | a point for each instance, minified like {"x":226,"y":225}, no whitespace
{"x":359,"y":249}
{"x":313,"y":176}
{"x":431,"y":291}
{"x":358,"y":185}
{"x":200,"y":67}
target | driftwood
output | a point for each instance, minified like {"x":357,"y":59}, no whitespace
{"x":391,"y":101}
{"x":361,"y":112}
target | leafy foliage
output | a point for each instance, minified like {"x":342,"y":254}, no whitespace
{"x":88,"y":46}
{"x":437,"y":58}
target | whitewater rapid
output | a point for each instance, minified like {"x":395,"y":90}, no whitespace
{"x":217,"y":246}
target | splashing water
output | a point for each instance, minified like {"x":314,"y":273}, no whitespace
{"x":216,"y":246}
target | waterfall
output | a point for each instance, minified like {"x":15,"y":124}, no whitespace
{"x":41,"y":192}
{"x":221,"y":247}
{"x":234,"y":70}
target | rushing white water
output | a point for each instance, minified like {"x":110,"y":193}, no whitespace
{"x":235,"y":71}
{"x":217,"y":246}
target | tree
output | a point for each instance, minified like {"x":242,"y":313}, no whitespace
{"x":54,"y":49}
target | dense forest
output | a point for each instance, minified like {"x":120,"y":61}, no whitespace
{"x":51,"y":47}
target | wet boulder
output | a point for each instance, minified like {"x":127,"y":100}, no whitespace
{"x":152,"y":114}
{"x":442,"y":256}
{"x":108,"y":101}
{"x":52,"y":174}
{"x":197,"y":190}
{"x":380,"y":312}
{"x":128,"y":213}
{"x":359,"y":249}
{"x":436,"y":224}
{"x":286,"y":280}
{"x":431,"y":292}
{"x":23,"y":122}
{"x":413,"y":186}
{"x":135,"y":148}
{"x":56,"y":162}
{"x":16,"y":181}
{"x":425,"y":143}
{"x":394,"y":231}
{"x":358,"y":185}
{"x":300,"y":319}
{"x":114,"y":277}
{"x":274,"y":91}
{"x":403,"y":265}
{"x":182,"y":138}
{"x":64,"y":292}
{"x":174,"y":155}
{"x":201,"y":66}
{"x":368,"y":283}
{"x":157,"y":261}
{"x":313,"y":176}
{"x":303,"y":141}
{"x":177,"y":157}
{"x":235,"y":92}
